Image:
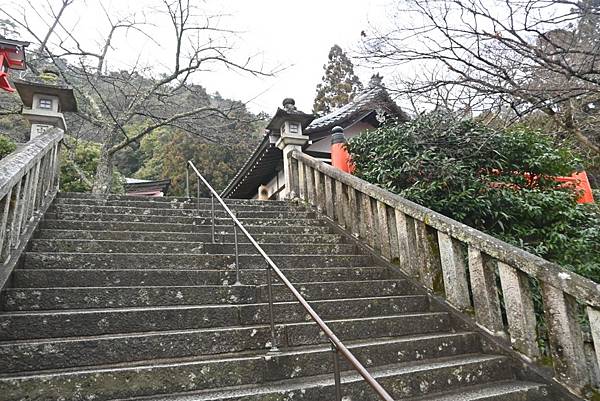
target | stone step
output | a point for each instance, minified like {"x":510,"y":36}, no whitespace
{"x":187,"y":210}
{"x":498,"y":391}
{"x":75,"y":260}
{"x":44,"y":278}
{"x":86,"y":197}
{"x":187,"y":237}
{"x":168,"y":213}
{"x":142,"y":348}
{"x":300,"y":219}
{"x":89,"y":322}
{"x":175,"y":227}
{"x":299,"y":390}
{"x":191,"y":204}
{"x":108,"y":246}
{"x":339,"y":289}
{"x":402,"y":380}
{"x":24,"y":299}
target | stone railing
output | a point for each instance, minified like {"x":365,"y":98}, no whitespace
{"x":463,"y":264}
{"x":28,"y":183}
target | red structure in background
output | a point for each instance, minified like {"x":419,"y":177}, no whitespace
{"x":340,"y":157}
{"x":12,"y":57}
{"x":581,"y":183}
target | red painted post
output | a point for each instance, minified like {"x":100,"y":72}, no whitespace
{"x":340,"y":157}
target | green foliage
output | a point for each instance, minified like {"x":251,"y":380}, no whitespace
{"x":165,"y":155}
{"x":498,"y":181}
{"x":7,"y":146}
{"x":78,"y":167}
{"x":339,"y":84}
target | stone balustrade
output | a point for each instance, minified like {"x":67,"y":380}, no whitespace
{"x":28,"y":182}
{"x":475,"y":272}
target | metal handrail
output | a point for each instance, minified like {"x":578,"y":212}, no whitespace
{"x":336,"y":344}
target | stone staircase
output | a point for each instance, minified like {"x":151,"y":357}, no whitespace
{"x":125,"y":298}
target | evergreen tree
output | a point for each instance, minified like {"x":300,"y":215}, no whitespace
{"x":339,"y":85}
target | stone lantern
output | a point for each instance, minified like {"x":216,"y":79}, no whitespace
{"x":289,"y":123}
{"x":45,"y":99}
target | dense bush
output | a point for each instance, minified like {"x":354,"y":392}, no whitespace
{"x":7,"y":146}
{"x":499,"y":181}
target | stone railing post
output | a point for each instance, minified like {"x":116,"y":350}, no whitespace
{"x":288,"y":144}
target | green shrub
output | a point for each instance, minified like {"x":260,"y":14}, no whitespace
{"x":476,"y":175}
{"x":7,"y":146}
{"x":78,"y":168}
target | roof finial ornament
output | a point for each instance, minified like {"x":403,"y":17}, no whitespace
{"x":289,"y":104}
{"x":375,"y":80}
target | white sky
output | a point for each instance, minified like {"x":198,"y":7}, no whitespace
{"x":296,"y":35}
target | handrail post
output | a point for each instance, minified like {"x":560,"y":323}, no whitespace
{"x":198,"y":197}
{"x":271,"y":314}
{"x":237,"y":256}
{"x":212,"y":214}
{"x":187,"y":180}
{"x":336,"y":373}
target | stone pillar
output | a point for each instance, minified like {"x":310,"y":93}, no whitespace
{"x":288,"y":143}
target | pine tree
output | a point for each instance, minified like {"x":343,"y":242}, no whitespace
{"x":339,"y":84}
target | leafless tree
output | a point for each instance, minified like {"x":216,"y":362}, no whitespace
{"x":121,"y":107}
{"x":521,"y":56}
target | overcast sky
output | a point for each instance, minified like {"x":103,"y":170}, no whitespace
{"x":294,"y":36}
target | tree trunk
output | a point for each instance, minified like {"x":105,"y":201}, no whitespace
{"x":104,"y":170}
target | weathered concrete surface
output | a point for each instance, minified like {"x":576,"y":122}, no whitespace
{"x":188,"y":237}
{"x":354,"y":388}
{"x":112,"y":246}
{"x":41,"y":324}
{"x":89,"y":351}
{"x":176,"y":227}
{"x":301,"y":219}
{"x":35,"y":278}
{"x":108,"y":307}
{"x":409,"y":380}
{"x":266,"y":213}
{"x":64,"y":260}
{"x":339,"y":289}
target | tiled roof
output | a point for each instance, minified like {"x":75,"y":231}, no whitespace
{"x":374,"y":98}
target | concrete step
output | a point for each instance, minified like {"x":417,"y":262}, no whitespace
{"x":403,"y":380}
{"x":298,"y":390}
{"x":75,"y":260}
{"x":24,"y":299}
{"x":300,"y":219}
{"x":87,"y":197}
{"x":175,"y":227}
{"x":89,"y":322}
{"x":190,"y":210}
{"x":44,"y":278}
{"x":339,"y":289}
{"x":193,"y":205}
{"x":188,"y":237}
{"x":498,"y":391}
{"x":109,"y":246}
{"x":140,"y":348}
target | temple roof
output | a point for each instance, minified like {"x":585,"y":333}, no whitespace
{"x":374,"y":98}
{"x":263,"y":163}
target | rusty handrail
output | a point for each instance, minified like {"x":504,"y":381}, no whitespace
{"x":337,"y":345}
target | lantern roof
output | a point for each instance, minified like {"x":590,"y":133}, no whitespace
{"x":49,"y":83}
{"x":289,"y":113}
